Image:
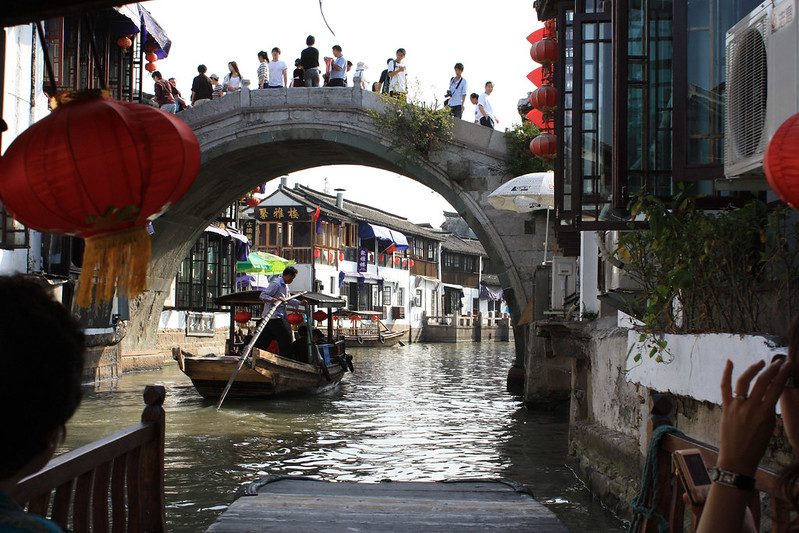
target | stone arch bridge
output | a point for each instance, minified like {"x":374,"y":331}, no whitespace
{"x":251,"y":137}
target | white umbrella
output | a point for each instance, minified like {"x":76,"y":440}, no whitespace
{"x":534,"y":189}
{"x":527,"y":193}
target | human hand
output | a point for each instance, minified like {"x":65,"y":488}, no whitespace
{"x":748,"y":417}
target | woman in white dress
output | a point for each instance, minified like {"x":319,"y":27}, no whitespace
{"x":232,"y":81}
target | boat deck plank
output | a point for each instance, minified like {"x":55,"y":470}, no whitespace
{"x":310,"y":506}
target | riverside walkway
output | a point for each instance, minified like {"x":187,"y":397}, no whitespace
{"x":287,"y":503}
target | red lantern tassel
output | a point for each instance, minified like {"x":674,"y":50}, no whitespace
{"x":114,"y":262}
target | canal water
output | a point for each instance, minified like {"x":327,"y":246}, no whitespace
{"x":419,"y":412}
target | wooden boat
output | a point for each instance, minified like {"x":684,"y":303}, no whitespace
{"x":267,"y":374}
{"x":369,"y":331}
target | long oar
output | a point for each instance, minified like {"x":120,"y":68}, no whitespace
{"x":251,"y":344}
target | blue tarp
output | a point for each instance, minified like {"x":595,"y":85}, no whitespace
{"x":385,"y":237}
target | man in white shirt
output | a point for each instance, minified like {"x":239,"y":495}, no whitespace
{"x":487,"y":117}
{"x":456,"y":94}
{"x":338,"y":69}
{"x":397,"y":81}
{"x":278,"y":72}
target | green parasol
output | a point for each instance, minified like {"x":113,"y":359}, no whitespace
{"x":263,"y":263}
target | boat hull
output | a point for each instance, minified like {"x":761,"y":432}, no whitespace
{"x":272,"y":376}
{"x":371,"y":340}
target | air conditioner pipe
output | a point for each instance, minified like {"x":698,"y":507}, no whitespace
{"x":606,"y":254}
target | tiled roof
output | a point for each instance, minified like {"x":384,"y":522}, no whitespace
{"x":360,"y":212}
{"x":453,"y":243}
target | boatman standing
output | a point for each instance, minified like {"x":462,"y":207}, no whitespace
{"x":278,"y":327}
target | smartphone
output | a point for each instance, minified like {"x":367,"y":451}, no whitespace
{"x":693,"y":473}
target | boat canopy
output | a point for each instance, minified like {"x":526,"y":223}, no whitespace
{"x":388,"y":240}
{"x":254,"y":298}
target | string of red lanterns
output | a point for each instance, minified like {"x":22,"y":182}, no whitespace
{"x":781,"y":162}
{"x":544,"y":99}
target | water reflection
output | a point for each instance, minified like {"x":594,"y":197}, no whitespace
{"x":422,"y":412}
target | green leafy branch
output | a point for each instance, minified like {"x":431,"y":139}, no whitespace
{"x":415,"y":127}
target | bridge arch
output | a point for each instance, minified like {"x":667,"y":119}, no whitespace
{"x":255,"y":136}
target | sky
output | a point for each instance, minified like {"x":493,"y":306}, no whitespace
{"x":489,"y":39}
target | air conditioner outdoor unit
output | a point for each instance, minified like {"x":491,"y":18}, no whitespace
{"x":762,"y":88}
{"x":564,"y":281}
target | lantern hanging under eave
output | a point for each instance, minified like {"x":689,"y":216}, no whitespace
{"x":319,"y":316}
{"x":124,"y":42}
{"x":544,"y":51}
{"x":374,"y":318}
{"x":544,"y":98}
{"x":294,"y":319}
{"x":242,"y":316}
{"x":544,"y":146}
{"x":252,"y":201}
{"x":781,"y":162}
{"x":355,"y":318}
{"x":341,"y":256}
{"x":100,"y":169}
{"x":150,"y":67}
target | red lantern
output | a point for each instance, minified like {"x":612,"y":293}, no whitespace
{"x":150,"y":67}
{"x":355,"y":318}
{"x":124,"y":42}
{"x":242,"y":316}
{"x":320,"y":316}
{"x":341,"y":256}
{"x":150,"y":47}
{"x":781,"y":162}
{"x":374,"y":318}
{"x":396,"y":260}
{"x":252,"y":201}
{"x":295,"y":319}
{"x":544,"y":51}
{"x":382,"y":258}
{"x":151,"y":57}
{"x":551,"y":27}
{"x":412,"y":262}
{"x":316,"y":253}
{"x":100,"y":169}
{"x":544,"y":146}
{"x":544,"y":98}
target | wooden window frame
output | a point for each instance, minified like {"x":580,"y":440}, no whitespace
{"x":226,"y":271}
{"x":8,"y":232}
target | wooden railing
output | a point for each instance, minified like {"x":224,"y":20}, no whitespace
{"x":113,"y":484}
{"x":670,"y":503}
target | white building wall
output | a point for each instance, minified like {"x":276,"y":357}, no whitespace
{"x":24,"y":102}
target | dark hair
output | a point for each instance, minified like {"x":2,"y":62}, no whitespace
{"x":290,"y":271}
{"x":349,"y":63}
{"x":489,"y":83}
{"x":474,"y":95}
{"x":459,"y":66}
{"x":302,"y":330}
{"x":202,"y":69}
{"x":156,"y":73}
{"x":170,"y":79}
{"x":40,"y":374}
{"x":389,"y":60}
{"x":263,"y":55}
{"x":310,"y":40}
{"x":276,"y":49}
{"x":235,"y":67}
{"x":400,"y":50}
{"x":337,"y":47}
{"x":297,"y":62}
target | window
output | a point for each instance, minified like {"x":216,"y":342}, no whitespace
{"x":376,"y":301}
{"x":13,"y":234}
{"x":418,"y":248}
{"x":206,"y":273}
{"x":54,"y":35}
{"x":469,"y":264}
{"x":401,"y":296}
{"x":417,"y":299}
{"x":699,"y":84}
{"x":431,"y":252}
{"x":386,"y":295}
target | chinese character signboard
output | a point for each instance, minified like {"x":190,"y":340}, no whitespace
{"x":363,"y":259}
{"x":275,"y":213}
{"x":248,"y":229}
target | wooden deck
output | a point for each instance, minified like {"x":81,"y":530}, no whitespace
{"x":301,"y":504}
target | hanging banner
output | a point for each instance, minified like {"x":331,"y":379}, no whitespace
{"x":363,"y":259}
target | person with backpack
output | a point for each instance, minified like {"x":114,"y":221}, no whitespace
{"x":397,"y":79}
{"x":456,"y":94}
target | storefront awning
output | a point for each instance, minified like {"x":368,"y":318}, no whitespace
{"x":387,"y":239}
{"x":227,"y":232}
{"x":420,"y":279}
{"x":360,"y":277}
{"x":127,"y":22}
{"x":156,"y":33}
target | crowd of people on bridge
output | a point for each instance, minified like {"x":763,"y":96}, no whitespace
{"x":272,"y":73}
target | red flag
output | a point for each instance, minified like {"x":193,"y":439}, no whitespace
{"x":537,"y":77}
{"x":536,"y":36}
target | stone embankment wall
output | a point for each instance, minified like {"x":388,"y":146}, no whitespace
{"x":610,"y":408}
